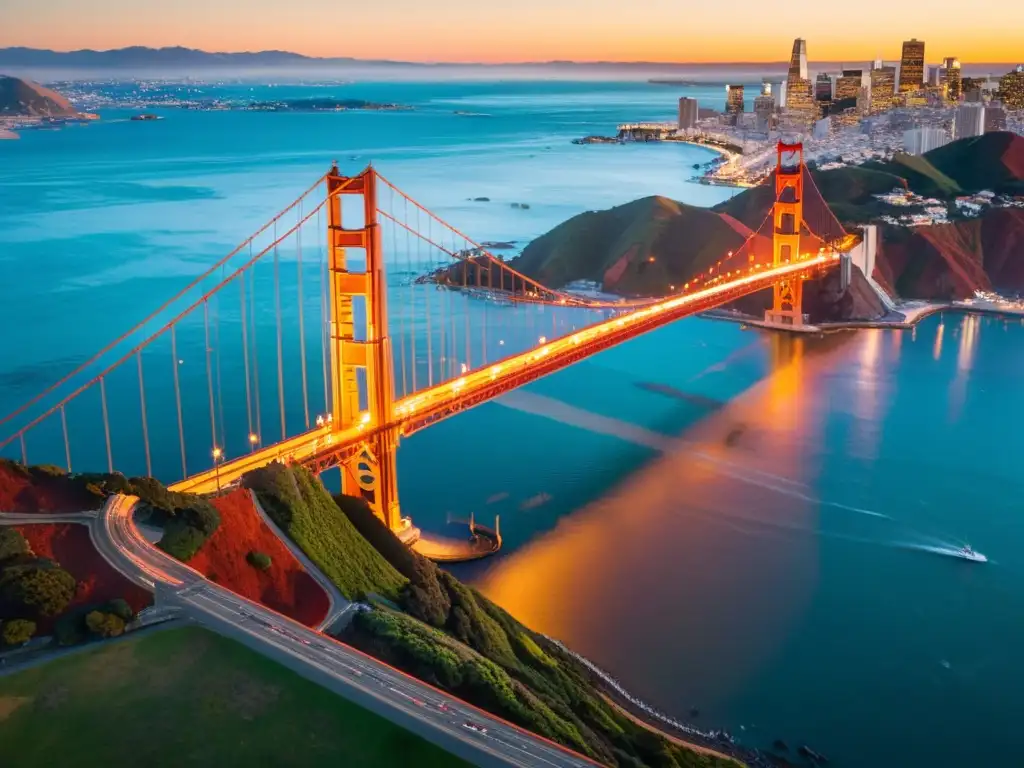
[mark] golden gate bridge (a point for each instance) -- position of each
(295, 347)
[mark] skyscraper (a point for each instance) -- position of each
(912, 66)
(823, 87)
(995, 117)
(848, 84)
(733, 102)
(921, 140)
(883, 88)
(953, 82)
(764, 109)
(1011, 88)
(688, 113)
(799, 94)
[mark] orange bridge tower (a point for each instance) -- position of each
(371, 472)
(788, 218)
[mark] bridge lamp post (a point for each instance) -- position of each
(217, 455)
(253, 440)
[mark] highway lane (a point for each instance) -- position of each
(450, 723)
(427, 406)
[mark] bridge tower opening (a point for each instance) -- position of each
(787, 307)
(371, 471)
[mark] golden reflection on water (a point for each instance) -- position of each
(970, 326)
(701, 562)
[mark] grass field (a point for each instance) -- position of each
(189, 697)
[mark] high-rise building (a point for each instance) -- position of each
(800, 106)
(969, 120)
(1011, 88)
(688, 113)
(912, 66)
(995, 117)
(764, 109)
(848, 85)
(733, 102)
(883, 88)
(823, 87)
(921, 140)
(951, 64)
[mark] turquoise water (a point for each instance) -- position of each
(769, 549)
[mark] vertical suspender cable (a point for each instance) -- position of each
(209, 374)
(145, 422)
(412, 291)
(403, 305)
(324, 322)
(302, 322)
(245, 352)
(106, 424)
(280, 349)
(177, 400)
(67, 442)
(24, 448)
(257, 410)
(466, 306)
(220, 388)
(426, 293)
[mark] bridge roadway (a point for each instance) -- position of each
(410, 703)
(430, 405)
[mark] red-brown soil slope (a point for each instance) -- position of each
(70, 546)
(26, 491)
(950, 261)
(284, 587)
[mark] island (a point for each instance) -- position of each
(950, 226)
(321, 105)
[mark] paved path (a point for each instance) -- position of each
(43, 518)
(338, 604)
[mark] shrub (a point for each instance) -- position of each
(69, 629)
(15, 467)
(120, 608)
(181, 540)
(104, 624)
(259, 561)
(17, 632)
(12, 544)
(37, 590)
(48, 470)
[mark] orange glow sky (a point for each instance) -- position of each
(528, 30)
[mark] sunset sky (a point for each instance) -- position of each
(528, 30)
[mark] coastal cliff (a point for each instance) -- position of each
(23, 98)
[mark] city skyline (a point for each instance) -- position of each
(459, 31)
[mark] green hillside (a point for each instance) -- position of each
(681, 239)
(454, 638)
(301, 507)
(994, 161)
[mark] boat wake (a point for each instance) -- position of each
(960, 552)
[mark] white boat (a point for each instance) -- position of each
(969, 554)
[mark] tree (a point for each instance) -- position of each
(17, 632)
(38, 591)
(104, 624)
(12, 544)
(259, 561)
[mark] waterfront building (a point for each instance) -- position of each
(912, 66)
(821, 129)
(954, 89)
(764, 113)
(689, 113)
(921, 140)
(1011, 88)
(800, 106)
(995, 117)
(733, 102)
(969, 120)
(883, 88)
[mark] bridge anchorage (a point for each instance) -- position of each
(452, 328)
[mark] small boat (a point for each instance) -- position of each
(966, 553)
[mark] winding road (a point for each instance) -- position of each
(454, 725)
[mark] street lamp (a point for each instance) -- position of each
(217, 454)
(253, 440)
